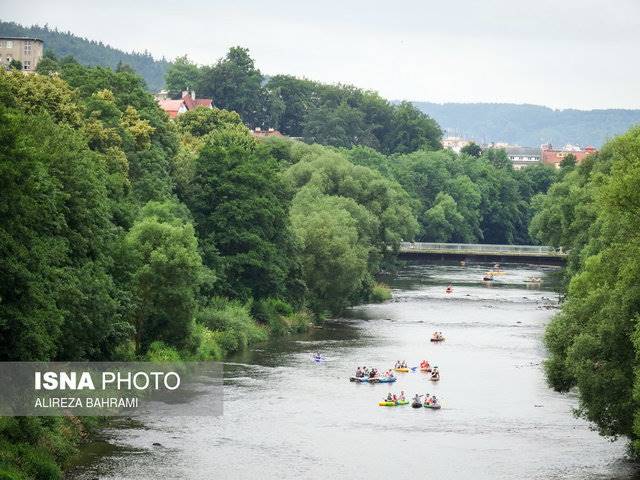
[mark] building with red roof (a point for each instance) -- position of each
(173, 108)
(554, 157)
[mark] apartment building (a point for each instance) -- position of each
(27, 51)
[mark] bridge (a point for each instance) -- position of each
(487, 252)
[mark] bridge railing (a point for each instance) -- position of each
(480, 248)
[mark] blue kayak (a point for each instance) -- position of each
(373, 380)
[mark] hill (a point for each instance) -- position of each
(529, 125)
(90, 52)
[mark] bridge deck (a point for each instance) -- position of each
(482, 250)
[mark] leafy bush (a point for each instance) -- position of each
(232, 322)
(35, 448)
(273, 312)
(161, 352)
(299, 322)
(207, 344)
(380, 293)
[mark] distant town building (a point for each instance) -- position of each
(270, 132)
(454, 143)
(27, 51)
(554, 157)
(523, 156)
(173, 108)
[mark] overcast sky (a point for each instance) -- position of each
(560, 53)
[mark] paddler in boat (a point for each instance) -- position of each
(389, 398)
(359, 373)
(427, 399)
(449, 289)
(401, 398)
(435, 374)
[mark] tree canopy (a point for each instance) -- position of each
(593, 211)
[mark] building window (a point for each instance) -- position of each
(1, 43)
(26, 65)
(9, 44)
(27, 48)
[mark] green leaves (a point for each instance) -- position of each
(593, 342)
(240, 206)
(165, 272)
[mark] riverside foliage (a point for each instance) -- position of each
(594, 342)
(124, 235)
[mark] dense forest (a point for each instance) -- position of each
(91, 52)
(530, 125)
(594, 342)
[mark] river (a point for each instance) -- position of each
(287, 417)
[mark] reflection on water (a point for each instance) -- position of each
(286, 416)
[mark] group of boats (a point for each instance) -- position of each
(491, 275)
(373, 375)
(393, 400)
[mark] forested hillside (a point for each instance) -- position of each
(91, 52)
(530, 125)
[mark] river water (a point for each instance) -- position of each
(287, 417)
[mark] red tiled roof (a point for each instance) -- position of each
(554, 157)
(172, 107)
(198, 102)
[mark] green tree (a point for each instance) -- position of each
(58, 300)
(236, 84)
(240, 206)
(15, 64)
(594, 342)
(334, 261)
(340, 126)
(568, 161)
(443, 220)
(497, 157)
(182, 75)
(200, 121)
(299, 98)
(472, 149)
(411, 130)
(332, 174)
(165, 272)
